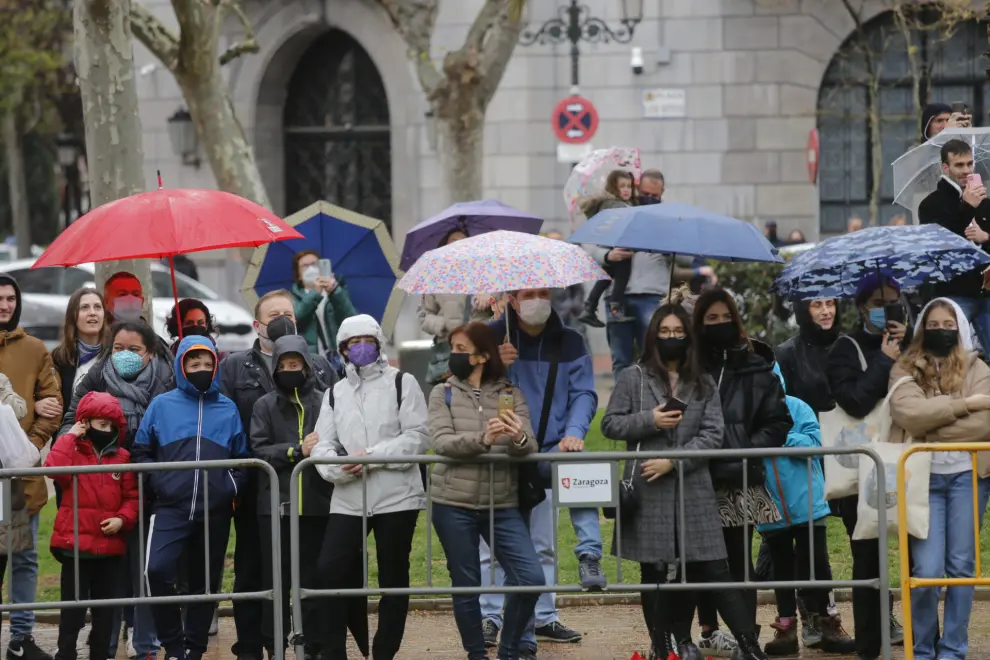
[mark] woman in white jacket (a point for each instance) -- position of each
(374, 411)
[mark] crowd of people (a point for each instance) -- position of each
(513, 375)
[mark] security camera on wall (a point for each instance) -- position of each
(637, 60)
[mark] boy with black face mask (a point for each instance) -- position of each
(108, 506)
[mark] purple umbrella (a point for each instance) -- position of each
(472, 218)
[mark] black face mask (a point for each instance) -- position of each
(647, 200)
(722, 336)
(201, 380)
(460, 365)
(672, 348)
(289, 381)
(101, 439)
(940, 342)
(280, 327)
(195, 330)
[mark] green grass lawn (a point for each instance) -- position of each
(838, 543)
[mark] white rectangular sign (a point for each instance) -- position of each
(585, 484)
(664, 103)
(572, 153)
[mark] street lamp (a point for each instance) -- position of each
(574, 23)
(182, 135)
(69, 149)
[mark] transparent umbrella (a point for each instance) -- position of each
(917, 172)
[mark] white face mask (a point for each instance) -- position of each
(309, 275)
(127, 308)
(534, 312)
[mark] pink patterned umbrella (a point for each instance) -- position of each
(500, 261)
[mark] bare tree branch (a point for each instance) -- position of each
(415, 20)
(498, 46)
(155, 36)
(246, 45)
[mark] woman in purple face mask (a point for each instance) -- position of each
(375, 411)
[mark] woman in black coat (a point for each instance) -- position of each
(756, 416)
(803, 359)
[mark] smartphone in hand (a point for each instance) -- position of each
(326, 269)
(506, 401)
(674, 405)
(974, 180)
(961, 107)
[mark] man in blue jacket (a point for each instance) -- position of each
(536, 338)
(193, 422)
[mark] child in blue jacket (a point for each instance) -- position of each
(193, 422)
(788, 482)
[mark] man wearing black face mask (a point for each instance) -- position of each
(245, 377)
(283, 429)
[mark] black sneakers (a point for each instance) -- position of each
(25, 649)
(490, 630)
(590, 573)
(558, 632)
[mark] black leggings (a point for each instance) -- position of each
(791, 553)
(739, 546)
(620, 272)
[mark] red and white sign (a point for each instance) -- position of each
(575, 120)
(813, 152)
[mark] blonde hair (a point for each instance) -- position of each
(935, 375)
(681, 295)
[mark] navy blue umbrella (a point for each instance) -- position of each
(911, 256)
(360, 250)
(673, 228)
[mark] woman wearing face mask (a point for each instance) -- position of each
(131, 371)
(640, 412)
(376, 411)
(194, 318)
(756, 416)
(947, 400)
(859, 366)
(440, 313)
(283, 432)
(468, 419)
(319, 301)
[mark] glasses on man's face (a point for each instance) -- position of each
(667, 333)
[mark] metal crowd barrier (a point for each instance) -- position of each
(587, 458)
(908, 582)
(142, 598)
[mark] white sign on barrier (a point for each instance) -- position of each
(583, 485)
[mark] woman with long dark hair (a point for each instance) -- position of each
(83, 332)
(665, 402)
(193, 317)
(756, 417)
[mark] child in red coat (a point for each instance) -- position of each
(108, 506)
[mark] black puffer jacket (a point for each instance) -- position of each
(279, 425)
(753, 407)
(803, 360)
(858, 391)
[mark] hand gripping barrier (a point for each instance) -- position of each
(908, 582)
(143, 598)
(810, 454)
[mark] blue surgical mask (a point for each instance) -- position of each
(877, 317)
(127, 363)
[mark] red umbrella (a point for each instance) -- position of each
(164, 223)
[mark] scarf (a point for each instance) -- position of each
(135, 395)
(86, 352)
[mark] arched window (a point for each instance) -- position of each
(337, 141)
(952, 67)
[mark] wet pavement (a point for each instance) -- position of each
(610, 633)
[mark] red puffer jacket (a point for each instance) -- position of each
(101, 496)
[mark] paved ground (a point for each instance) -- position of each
(611, 633)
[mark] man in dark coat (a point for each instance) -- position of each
(246, 377)
(959, 203)
(283, 431)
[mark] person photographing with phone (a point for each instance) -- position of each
(319, 301)
(959, 203)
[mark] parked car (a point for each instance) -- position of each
(47, 289)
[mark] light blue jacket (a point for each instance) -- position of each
(787, 478)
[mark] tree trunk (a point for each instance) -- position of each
(104, 63)
(876, 149)
(17, 183)
(461, 157)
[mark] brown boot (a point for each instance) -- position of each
(834, 637)
(785, 639)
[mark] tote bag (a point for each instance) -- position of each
(840, 430)
(16, 451)
(917, 470)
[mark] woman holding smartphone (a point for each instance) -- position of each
(319, 301)
(667, 401)
(478, 412)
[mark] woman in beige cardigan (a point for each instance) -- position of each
(946, 400)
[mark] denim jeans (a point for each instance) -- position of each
(24, 585)
(623, 338)
(139, 617)
(460, 531)
(589, 535)
(977, 310)
(949, 551)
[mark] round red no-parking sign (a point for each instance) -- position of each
(575, 120)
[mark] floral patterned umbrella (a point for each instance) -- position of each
(500, 261)
(911, 256)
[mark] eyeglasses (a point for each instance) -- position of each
(667, 333)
